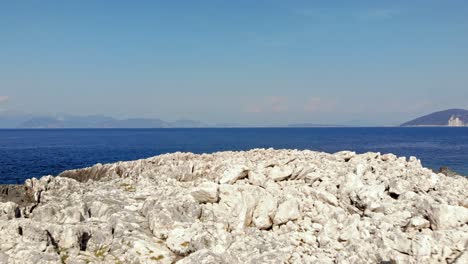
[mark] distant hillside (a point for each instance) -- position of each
(11, 119)
(103, 122)
(451, 117)
(313, 125)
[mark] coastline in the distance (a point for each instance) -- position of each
(446, 118)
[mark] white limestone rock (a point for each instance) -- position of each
(287, 211)
(326, 197)
(421, 245)
(369, 195)
(231, 175)
(399, 186)
(257, 178)
(418, 222)
(259, 206)
(463, 258)
(447, 216)
(206, 192)
(203, 256)
(180, 241)
(280, 173)
(9, 210)
(265, 211)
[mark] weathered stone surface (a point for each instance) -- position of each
(9, 210)
(399, 186)
(259, 206)
(231, 175)
(280, 173)
(447, 216)
(203, 257)
(18, 194)
(287, 211)
(257, 178)
(180, 241)
(206, 192)
(418, 223)
(265, 211)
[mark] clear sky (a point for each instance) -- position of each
(249, 62)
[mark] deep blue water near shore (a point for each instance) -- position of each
(33, 153)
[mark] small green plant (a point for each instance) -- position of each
(157, 258)
(64, 257)
(100, 253)
(185, 244)
(128, 187)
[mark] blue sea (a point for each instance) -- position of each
(34, 153)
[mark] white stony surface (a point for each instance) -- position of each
(260, 206)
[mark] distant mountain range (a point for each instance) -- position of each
(15, 120)
(313, 125)
(451, 117)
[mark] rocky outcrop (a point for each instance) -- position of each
(19, 194)
(260, 206)
(447, 171)
(455, 121)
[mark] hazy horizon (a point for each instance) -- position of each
(266, 63)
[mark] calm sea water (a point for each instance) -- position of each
(33, 153)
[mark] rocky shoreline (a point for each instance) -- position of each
(259, 206)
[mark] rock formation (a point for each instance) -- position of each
(455, 121)
(259, 206)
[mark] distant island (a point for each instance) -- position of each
(94, 121)
(314, 125)
(450, 118)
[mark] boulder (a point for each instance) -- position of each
(287, 211)
(280, 173)
(265, 211)
(206, 192)
(447, 216)
(231, 175)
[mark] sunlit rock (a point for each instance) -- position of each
(259, 206)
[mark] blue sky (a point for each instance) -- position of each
(249, 62)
